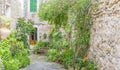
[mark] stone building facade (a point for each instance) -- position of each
(42, 26)
(22, 8)
(1, 7)
(12, 9)
(105, 35)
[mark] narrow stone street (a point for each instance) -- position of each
(39, 62)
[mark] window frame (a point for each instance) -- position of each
(33, 6)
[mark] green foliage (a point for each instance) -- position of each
(57, 40)
(1, 64)
(24, 61)
(12, 64)
(56, 11)
(41, 44)
(67, 28)
(85, 64)
(82, 24)
(66, 57)
(73, 14)
(12, 53)
(5, 19)
(24, 28)
(60, 51)
(51, 54)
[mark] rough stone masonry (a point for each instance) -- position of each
(105, 35)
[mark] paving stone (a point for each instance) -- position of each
(39, 62)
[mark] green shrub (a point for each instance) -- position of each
(12, 64)
(57, 40)
(41, 44)
(22, 56)
(24, 28)
(51, 54)
(1, 64)
(24, 61)
(66, 57)
(13, 53)
(14, 49)
(74, 17)
(85, 64)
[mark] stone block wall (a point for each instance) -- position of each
(12, 9)
(16, 11)
(105, 35)
(44, 29)
(1, 7)
(2, 11)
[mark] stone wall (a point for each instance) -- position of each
(105, 35)
(16, 11)
(1, 7)
(12, 9)
(1, 11)
(44, 29)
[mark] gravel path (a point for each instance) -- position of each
(39, 62)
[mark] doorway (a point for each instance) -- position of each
(33, 37)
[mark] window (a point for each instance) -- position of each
(33, 5)
(45, 36)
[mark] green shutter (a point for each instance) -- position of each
(33, 5)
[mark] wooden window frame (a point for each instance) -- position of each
(33, 5)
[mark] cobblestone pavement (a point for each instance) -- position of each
(39, 62)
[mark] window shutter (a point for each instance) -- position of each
(33, 5)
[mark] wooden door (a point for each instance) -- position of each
(33, 37)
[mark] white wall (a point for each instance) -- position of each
(33, 15)
(16, 7)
